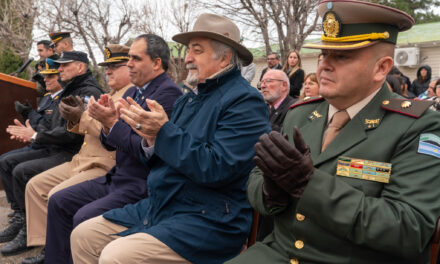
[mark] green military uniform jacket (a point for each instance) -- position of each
(349, 220)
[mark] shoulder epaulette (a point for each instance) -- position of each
(46, 94)
(413, 108)
(307, 100)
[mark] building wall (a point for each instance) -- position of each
(432, 58)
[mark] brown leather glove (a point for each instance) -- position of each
(71, 108)
(290, 167)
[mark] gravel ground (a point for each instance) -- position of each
(4, 210)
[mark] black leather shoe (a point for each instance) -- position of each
(38, 259)
(14, 218)
(17, 245)
(12, 230)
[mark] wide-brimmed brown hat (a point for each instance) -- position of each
(218, 28)
(353, 24)
(115, 53)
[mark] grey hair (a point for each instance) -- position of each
(220, 50)
(282, 75)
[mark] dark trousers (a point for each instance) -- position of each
(6, 183)
(18, 168)
(71, 206)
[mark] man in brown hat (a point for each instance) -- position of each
(357, 179)
(92, 160)
(61, 41)
(196, 210)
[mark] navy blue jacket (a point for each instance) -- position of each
(44, 112)
(197, 201)
(129, 175)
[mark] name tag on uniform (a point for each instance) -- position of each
(364, 169)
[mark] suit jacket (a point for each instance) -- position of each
(342, 219)
(278, 67)
(129, 174)
(44, 112)
(92, 154)
(277, 116)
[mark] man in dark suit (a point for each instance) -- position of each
(273, 62)
(126, 182)
(275, 90)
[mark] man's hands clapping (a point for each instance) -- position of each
(286, 168)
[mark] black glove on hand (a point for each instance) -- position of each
(290, 167)
(23, 109)
(71, 108)
(70, 100)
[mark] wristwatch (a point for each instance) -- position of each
(34, 137)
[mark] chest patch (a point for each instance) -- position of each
(429, 144)
(364, 169)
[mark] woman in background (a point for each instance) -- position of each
(292, 67)
(311, 87)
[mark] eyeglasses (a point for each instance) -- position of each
(271, 59)
(114, 66)
(268, 81)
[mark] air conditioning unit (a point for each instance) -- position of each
(406, 56)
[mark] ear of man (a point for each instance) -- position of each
(384, 61)
(157, 64)
(82, 67)
(225, 60)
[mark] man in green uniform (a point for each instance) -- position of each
(357, 179)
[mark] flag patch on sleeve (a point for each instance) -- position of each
(429, 144)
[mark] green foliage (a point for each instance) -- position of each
(10, 62)
(420, 10)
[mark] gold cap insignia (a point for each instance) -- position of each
(108, 53)
(386, 102)
(406, 104)
(47, 66)
(331, 25)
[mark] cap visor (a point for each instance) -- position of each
(340, 46)
(63, 61)
(108, 62)
(49, 72)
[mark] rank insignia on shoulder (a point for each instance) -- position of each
(429, 144)
(364, 169)
(307, 100)
(314, 115)
(413, 108)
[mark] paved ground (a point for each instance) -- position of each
(4, 210)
